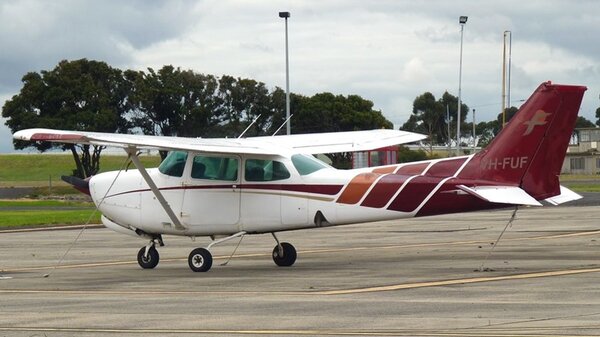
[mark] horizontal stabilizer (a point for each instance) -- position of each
(565, 195)
(501, 194)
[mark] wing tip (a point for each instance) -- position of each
(48, 135)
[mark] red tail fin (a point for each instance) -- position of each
(530, 150)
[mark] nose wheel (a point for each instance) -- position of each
(148, 257)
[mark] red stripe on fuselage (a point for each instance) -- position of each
(414, 193)
(412, 169)
(450, 199)
(384, 190)
(445, 168)
(316, 189)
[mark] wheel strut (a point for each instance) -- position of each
(148, 257)
(200, 259)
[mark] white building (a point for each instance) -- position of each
(583, 156)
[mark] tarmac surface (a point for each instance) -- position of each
(417, 277)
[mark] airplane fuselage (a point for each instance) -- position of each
(276, 193)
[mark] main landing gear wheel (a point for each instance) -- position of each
(200, 260)
(148, 261)
(284, 255)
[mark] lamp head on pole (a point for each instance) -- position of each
(462, 19)
(284, 15)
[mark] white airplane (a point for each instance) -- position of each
(228, 188)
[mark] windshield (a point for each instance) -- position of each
(306, 164)
(174, 164)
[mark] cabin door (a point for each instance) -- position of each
(211, 202)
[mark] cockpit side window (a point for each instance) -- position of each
(174, 164)
(265, 170)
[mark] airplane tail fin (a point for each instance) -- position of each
(530, 150)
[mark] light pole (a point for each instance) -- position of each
(505, 99)
(286, 15)
(474, 136)
(449, 135)
(461, 20)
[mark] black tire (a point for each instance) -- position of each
(150, 261)
(289, 255)
(200, 260)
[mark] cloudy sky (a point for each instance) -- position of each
(386, 51)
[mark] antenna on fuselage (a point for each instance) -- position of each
(284, 122)
(254, 121)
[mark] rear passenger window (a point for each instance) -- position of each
(214, 168)
(265, 170)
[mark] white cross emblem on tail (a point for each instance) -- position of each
(538, 119)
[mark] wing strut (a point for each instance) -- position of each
(132, 152)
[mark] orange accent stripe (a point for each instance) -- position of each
(384, 170)
(355, 190)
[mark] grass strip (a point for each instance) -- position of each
(41, 169)
(576, 177)
(45, 213)
(44, 203)
(583, 187)
(11, 219)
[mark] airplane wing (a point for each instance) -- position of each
(306, 143)
(348, 141)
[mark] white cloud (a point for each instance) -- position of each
(415, 71)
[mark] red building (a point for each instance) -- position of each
(378, 157)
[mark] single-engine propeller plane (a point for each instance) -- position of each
(228, 188)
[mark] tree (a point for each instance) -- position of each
(598, 116)
(484, 131)
(201, 106)
(583, 122)
(91, 96)
(277, 110)
(76, 95)
(450, 102)
(406, 155)
(244, 100)
(429, 116)
(509, 113)
(172, 102)
(326, 112)
(157, 98)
